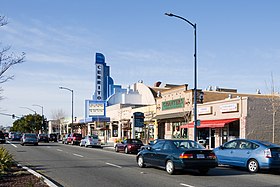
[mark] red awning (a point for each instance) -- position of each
(211, 123)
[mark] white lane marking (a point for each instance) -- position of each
(47, 181)
(113, 165)
(182, 184)
(58, 149)
(12, 144)
(78, 155)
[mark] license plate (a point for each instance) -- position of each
(200, 156)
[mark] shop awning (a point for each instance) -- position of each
(210, 123)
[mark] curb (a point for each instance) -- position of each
(46, 180)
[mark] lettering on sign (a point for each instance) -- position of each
(233, 107)
(96, 109)
(204, 110)
(172, 104)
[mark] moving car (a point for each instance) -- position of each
(74, 139)
(129, 146)
(16, 136)
(175, 155)
(91, 140)
(2, 137)
(29, 138)
(250, 154)
(43, 138)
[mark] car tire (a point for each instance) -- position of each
(140, 162)
(169, 167)
(126, 150)
(203, 171)
(116, 149)
(253, 166)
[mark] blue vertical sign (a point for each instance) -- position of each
(138, 118)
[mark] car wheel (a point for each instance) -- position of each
(169, 167)
(253, 166)
(203, 171)
(126, 150)
(140, 162)
(116, 149)
(22, 144)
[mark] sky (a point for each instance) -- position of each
(238, 46)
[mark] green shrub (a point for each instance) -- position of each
(6, 160)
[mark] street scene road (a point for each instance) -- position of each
(72, 166)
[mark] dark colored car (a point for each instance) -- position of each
(129, 146)
(175, 155)
(250, 154)
(2, 137)
(74, 139)
(16, 136)
(53, 137)
(43, 138)
(29, 138)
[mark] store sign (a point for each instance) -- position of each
(138, 118)
(233, 107)
(204, 110)
(96, 109)
(172, 104)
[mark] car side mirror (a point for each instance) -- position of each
(149, 148)
(222, 147)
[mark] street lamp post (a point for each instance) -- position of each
(72, 106)
(28, 109)
(195, 73)
(42, 114)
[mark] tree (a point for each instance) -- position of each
(28, 123)
(7, 58)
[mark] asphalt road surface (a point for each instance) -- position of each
(74, 166)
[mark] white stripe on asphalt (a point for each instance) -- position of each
(58, 149)
(182, 184)
(78, 155)
(113, 165)
(12, 144)
(47, 181)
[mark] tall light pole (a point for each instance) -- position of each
(72, 108)
(42, 114)
(28, 109)
(195, 73)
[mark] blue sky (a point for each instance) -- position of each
(238, 47)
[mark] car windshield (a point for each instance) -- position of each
(187, 144)
(134, 141)
(93, 136)
(268, 144)
(30, 136)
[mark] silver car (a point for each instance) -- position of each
(29, 138)
(91, 140)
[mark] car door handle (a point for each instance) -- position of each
(248, 152)
(231, 152)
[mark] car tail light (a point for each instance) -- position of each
(186, 155)
(212, 156)
(267, 153)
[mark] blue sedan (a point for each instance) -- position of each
(251, 154)
(176, 155)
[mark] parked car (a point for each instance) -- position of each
(53, 137)
(91, 140)
(64, 138)
(175, 155)
(250, 154)
(43, 138)
(2, 137)
(74, 139)
(29, 138)
(129, 146)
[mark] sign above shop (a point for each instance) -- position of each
(232, 107)
(204, 110)
(172, 104)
